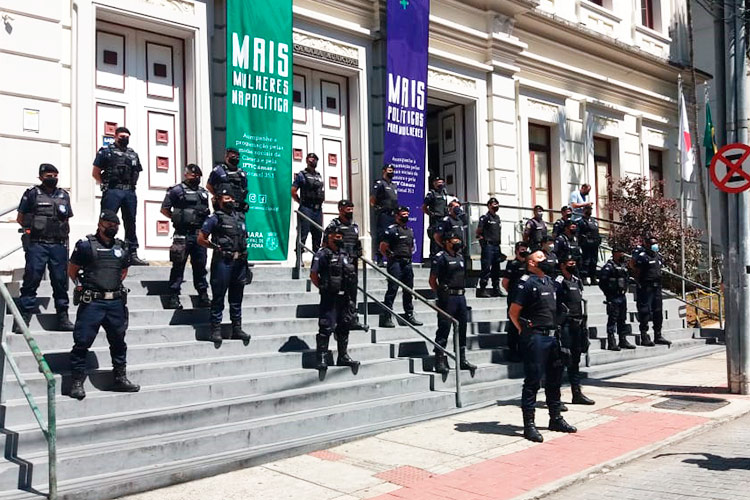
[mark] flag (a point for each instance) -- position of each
(686, 144)
(709, 136)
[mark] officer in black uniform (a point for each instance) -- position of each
(43, 213)
(559, 226)
(226, 228)
(589, 239)
(384, 199)
(333, 272)
(551, 265)
(453, 224)
(536, 229)
(353, 248)
(117, 168)
(448, 281)
(533, 311)
(228, 175)
(307, 190)
(572, 318)
(435, 206)
(488, 233)
(566, 245)
(613, 281)
(187, 205)
(98, 266)
(514, 269)
(398, 247)
(647, 264)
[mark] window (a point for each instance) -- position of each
(603, 162)
(597, 2)
(541, 167)
(647, 14)
(656, 169)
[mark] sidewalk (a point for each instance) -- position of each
(481, 454)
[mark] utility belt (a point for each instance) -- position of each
(456, 291)
(393, 258)
(545, 332)
(316, 206)
(227, 255)
(126, 187)
(650, 284)
(87, 295)
(53, 241)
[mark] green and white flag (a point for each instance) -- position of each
(259, 117)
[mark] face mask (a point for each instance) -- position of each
(389, 175)
(439, 187)
(230, 206)
(457, 211)
(193, 183)
(338, 243)
(494, 208)
(571, 269)
(123, 141)
(110, 232)
(233, 161)
(545, 266)
(50, 182)
(403, 220)
(523, 254)
(655, 247)
(348, 215)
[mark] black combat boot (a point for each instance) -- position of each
(173, 302)
(482, 292)
(465, 363)
(612, 342)
(624, 344)
(386, 321)
(646, 340)
(659, 339)
(321, 351)
(76, 387)
(63, 321)
(441, 363)
(26, 319)
(215, 336)
(137, 261)
(239, 333)
(497, 292)
(530, 431)
(203, 300)
(343, 358)
(557, 423)
(356, 325)
(579, 398)
(122, 384)
(409, 317)
(563, 407)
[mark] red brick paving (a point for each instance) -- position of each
(327, 455)
(517, 473)
(405, 475)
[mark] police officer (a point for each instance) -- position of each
(333, 273)
(448, 280)
(228, 175)
(514, 269)
(613, 281)
(307, 190)
(572, 318)
(536, 230)
(384, 199)
(453, 224)
(398, 247)
(43, 214)
(436, 207)
(647, 264)
(353, 248)
(226, 228)
(559, 226)
(566, 245)
(98, 266)
(187, 205)
(589, 239)
(488, 233)
(117, 168)
(551, 265)
(533, 311)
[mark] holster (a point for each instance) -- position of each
(178, 250)
(77, 292)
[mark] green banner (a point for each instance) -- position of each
(259, 117)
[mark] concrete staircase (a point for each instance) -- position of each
(202, 411)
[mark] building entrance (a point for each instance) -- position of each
(446, 145)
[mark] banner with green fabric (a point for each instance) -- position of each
(259, 117)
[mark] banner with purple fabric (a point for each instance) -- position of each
(406, 104)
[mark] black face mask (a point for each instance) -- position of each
(389, 176)
(347, 215)
(110, 232)
(524, 254)
(193, 183)
(233, 161)
(338, 243)
(571, 269)
(494, 208)
(49, 182)
(457, 212)
(439, 187)
(403, 220)
(230, 206)
(546, 267)
(457, 247)
(123, 142)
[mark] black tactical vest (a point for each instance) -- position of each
(572, 297)
(454, 274)
(403, 248)
(235, 181)
(439, 206)
(541, 312)
(558, 227)
(651, 271)
(491, 230)
(103, 273)
(615, 278)
(230, 232)
(48, 220)
(456, 229)
(311, 192)
(513, 271)
(119, 171)
(191, 210)
(351, 236)
(537, 231)
(340, 273)
(553, 262)
(388, 196)
(588, 229)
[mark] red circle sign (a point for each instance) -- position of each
(730, 168)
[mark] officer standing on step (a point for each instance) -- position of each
(333, 272)
(448, 281)
(511, 278)
(589, 239)
(551, 266)
(613, 281)
(353, 248)
(117, 168)
(566, 245)
(453, 224)
(398, 247)
(647, 265)
(533, 311)
(228, 175)
(559, 226)
(43, 213)
(186, 204)
(307, 190)
(436, 207)
(98, 266)
(572, 318)
(488, 233)
(228, 239)
(536, 229)
(384, 199)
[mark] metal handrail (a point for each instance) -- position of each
(49, 428)
(8, 210)
(5, 211)
(404, 289)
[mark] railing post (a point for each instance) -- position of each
(298, 248)
(721, 312)
(457, 351)
(3, 317)
(364, 290)
(52, 439)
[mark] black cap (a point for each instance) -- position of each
(47, 167)
(492, 200)
(403, 208)
(312, 155)
(225, 191)
(120, 130)
(388, 165)
(345, 203)
(334, 230)
(233, 150)
(438, 178)
(193, 169)
(566, 208)
(109, 216)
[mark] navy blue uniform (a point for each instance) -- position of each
(613, 281)
(335, 269)
(120, 172)
(450, 271)
(589, 240)
(45, 221)
(436, 203)
(490, 231)
(566, 247)
(311, 197)
(401, 243)
(558, 227)
(454, 226)
(573, 331)
(222, 176)
(102, 265)
(513, 272)
(648, 291)
(534, 233)
(540, 348)
(386, 203)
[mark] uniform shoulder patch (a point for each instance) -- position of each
(559, 279)
(524, 277)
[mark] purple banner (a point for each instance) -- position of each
(406, 105)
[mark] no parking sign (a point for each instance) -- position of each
(730, 168)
